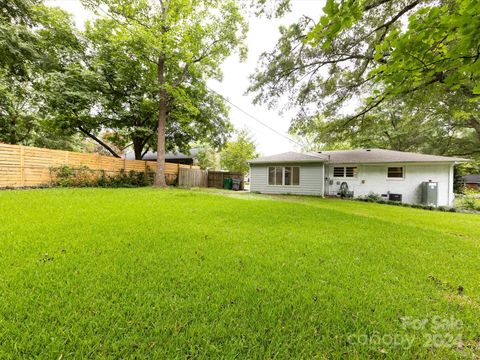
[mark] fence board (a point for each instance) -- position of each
(192, 177)
(30, 166)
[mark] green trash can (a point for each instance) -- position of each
(227, 184)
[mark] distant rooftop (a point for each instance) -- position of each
(471, 179)
(150, 155)
(358, 156)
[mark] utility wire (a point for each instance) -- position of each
(210, 89)
(253, 117)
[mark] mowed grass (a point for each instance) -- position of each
(136, 273)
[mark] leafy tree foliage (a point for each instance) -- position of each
(34, 40)
(382, 52)
(207, 157)
(118, 90)
(236, 153)
(183, 44)
(138, 71)
(404, 124)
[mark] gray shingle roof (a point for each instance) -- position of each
(471, 179)
(359, 156)
(371, 156)
(150, 155)
(290, 157)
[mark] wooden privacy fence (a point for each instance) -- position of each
(216, 178)
(29, 166)
(192, 178)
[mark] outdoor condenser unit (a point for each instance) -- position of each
(395, 197)
(430, 193)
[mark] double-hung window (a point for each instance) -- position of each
(275, 175)
(284, 175)
(345, 172)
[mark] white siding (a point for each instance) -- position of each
(311, 180)
(375, 180)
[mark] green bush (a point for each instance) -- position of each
(471, 199)
(66, 176)
(372, 198)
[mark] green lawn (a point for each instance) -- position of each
(124, 273)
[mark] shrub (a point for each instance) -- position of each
(373, 196)
(66, 176)
(381, 200)
(471, 199)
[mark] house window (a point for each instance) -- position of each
(275, 175)
(339, 172)
(350, 172)
(296, 175)
(288, 175)
(345, 172)
(395, 172)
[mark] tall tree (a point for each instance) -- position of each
(114, 92)
(34, 41)
(407, 123)
(236, 153)
(377, 51)
(188, 41)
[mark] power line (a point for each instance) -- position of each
(209, 88)
(253, 117)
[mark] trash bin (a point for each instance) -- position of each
(227, 184)
(236, 184)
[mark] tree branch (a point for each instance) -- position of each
(366, 110)
(399, 15)
(91, 136)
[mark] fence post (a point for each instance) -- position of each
(22, 166)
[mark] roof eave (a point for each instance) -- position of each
(285, 161)
(454, 161)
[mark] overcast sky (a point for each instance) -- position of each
(262, 36)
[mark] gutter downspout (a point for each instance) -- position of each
(451, 195)
(325, 185)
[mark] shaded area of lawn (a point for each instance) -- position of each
(145, 272)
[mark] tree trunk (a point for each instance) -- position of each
(138, 148)
(162, 119)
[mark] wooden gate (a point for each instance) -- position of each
(215, 178)
(192, 178)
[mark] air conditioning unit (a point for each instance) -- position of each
(430, 193)
(395, 197)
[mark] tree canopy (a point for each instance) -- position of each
(136, 76)
(34, 41)
(236, 153)
(373, 55)
(183, 44)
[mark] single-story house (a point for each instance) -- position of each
(395, 175)
(471, 181)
